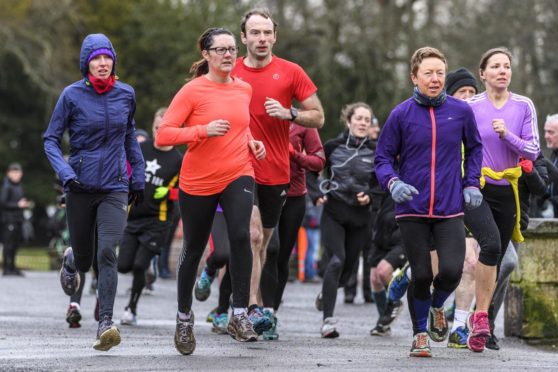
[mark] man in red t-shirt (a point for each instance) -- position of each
(275, 83)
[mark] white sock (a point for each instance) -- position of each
(239, 310)
(185, 316)
(75, 304)
(460, 319)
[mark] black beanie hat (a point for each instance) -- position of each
(460, 78)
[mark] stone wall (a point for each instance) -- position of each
(532, 299)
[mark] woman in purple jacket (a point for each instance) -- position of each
(418, 160)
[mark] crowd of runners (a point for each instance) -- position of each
(431, 204)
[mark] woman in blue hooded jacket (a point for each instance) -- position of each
(424, 136)
(98, 112)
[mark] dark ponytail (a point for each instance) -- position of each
(205, 41)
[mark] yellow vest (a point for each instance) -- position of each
(512, 176)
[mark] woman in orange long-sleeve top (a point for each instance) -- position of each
(211, 115)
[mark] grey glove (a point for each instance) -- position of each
(402, 192)
(472, 197)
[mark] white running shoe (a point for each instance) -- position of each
(128, 318)
(329, 329)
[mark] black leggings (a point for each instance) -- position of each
(135, 256)
(492, 223)
(197, 217)
(448, 238)
(219, 257)
(104, 214)
(343, 239)
(276, 268)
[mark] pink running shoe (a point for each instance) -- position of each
(479, 331)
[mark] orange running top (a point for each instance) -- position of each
(210, 163)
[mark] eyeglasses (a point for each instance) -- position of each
(222, 50)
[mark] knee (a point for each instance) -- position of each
(124, 267)
(335, 264)
(107, 256)
(256, 236)
(422, 279)
(490, 252)
(384, 271)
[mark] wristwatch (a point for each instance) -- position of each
(294, 113)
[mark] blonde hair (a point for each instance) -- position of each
(425, 52)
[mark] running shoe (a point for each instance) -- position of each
(108, 335)
(392, 311)
(349, 298)
(128, 318)
(329, 328)
(241, 329)
(260, 322)
(437, 325)
(492, 342)
(202, 290)
(211, 315)
(458, 338)
(184, 339)
(380, 330)
(69, 276)
(272, 334)
(73, 316)
(220, 323)
(479, 331)
(319, 302)
(421, 346)
(398, 284)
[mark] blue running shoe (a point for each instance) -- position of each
(69, 276)
(220, 323)
(260, 322)
(398, 284)
(212, 313)
(458, 338)
(272, 334)
(202, 290)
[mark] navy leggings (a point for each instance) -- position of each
(197, 217)
(106, 213)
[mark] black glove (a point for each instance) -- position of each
(135, 197)
(75, 186)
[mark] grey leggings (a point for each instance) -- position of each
(106, 213)
(509, 263)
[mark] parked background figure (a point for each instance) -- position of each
(12, 205)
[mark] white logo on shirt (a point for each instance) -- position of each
(152, 166)
(276, 76)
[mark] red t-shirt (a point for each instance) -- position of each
(281, 80)
(210, 163)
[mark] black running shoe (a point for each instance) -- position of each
(73, 316)
(108, 335)
(392, 311)
(69, 276)
(492, 342)
(380, 330)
